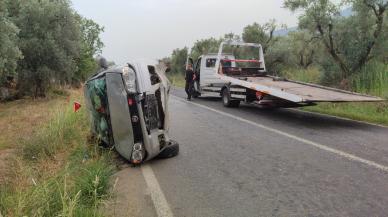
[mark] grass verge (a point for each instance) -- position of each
(177, 80)
(55, 172)
(376, 113)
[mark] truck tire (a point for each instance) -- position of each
(227, 101)
(170, 151)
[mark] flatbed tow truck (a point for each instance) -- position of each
(238, 73)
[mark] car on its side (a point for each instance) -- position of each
(128, 107)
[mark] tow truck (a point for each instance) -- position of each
(238, 74)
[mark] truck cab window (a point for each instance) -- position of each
(211, 62)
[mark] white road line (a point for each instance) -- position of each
(160, 202)
(308, 142)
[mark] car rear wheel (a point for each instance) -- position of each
(170, 151)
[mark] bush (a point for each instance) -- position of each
(372, 79)
(57, 173)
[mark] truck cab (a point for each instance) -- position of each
(205, 68)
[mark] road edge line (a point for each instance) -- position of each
(159, 200)
(314, 144)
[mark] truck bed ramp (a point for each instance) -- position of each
(298, 92)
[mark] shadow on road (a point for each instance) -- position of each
(295, 117)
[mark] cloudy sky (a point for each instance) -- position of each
(153, 28)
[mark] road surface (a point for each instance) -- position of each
(250, 162)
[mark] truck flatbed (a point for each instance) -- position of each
(298, 92)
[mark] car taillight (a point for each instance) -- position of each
(130, 101)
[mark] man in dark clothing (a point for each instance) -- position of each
(189, 81)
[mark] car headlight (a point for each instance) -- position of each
(129, 79)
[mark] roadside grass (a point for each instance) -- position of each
(311, 75)
(56, 171)
(372, 79)
(370, 112)
(176, 79)
(15, 115)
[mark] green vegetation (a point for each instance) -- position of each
(347, 52)
(54, 172)
(372, 79)
(44, 43)
(177, 80)
(370, 112)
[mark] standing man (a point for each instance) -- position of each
(189, 77)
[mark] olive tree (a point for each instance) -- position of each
(49, 40)
(178, 60)
(90, 46)
(261, 34)
(9, 50)
(349, 41)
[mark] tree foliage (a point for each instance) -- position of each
(349, 41)
(90, 45)
(178, 60)
(49, 39)
(57, 44)
(9, 51)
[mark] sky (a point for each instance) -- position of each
(151, 29)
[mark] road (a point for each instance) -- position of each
(252, 162)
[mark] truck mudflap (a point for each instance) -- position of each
(120, 116)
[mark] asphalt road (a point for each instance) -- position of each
(252, 162)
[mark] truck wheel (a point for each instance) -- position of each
(170, 151)
(227, 101)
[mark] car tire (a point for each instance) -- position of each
(170, 151)
(227, 101)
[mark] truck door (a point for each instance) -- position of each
(197, 71)
(209, 72)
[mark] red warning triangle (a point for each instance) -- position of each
(77, 106)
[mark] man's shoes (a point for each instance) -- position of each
(188, 99)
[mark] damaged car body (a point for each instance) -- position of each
(128, 106)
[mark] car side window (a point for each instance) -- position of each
(153, 76)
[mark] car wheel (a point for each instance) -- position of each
(170, 151)
(227, 101)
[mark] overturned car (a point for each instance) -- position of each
(128, 106)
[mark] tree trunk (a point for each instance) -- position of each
(332, 51)
(379, 13)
